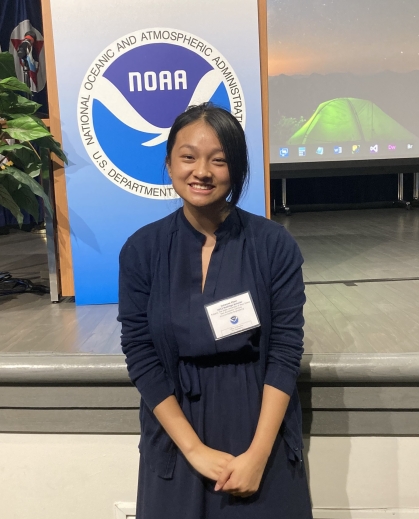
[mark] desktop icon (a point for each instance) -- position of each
(301, 152)
(320, 150)
(356, 148)
(338, 150)
(284, 152)
(392, 147)
(374, 149)
(410, 146)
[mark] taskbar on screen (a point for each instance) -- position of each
(345, 151)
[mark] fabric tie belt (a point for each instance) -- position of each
(189, 368)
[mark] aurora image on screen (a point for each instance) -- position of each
(343, 79)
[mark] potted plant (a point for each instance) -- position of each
(25, 146)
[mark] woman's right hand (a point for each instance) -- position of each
(208, 462)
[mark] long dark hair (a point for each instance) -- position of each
(231, 137)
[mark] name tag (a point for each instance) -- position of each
(232, 315)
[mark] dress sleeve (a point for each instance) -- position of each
(287, 300)
(145, 369)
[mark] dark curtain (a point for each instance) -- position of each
(354, 189)
(16, 18)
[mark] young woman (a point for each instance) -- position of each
(211, 301)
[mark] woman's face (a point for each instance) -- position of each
(198, 168)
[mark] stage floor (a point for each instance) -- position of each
(362, 284)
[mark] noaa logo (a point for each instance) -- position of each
(234, 319)
(131, 95)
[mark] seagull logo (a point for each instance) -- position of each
(116, 103)
(132, 93)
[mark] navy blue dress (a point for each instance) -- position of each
(222, 392)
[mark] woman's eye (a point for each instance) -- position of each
(220, 160)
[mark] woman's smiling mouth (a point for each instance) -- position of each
(201, 187)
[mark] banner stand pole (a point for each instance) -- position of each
(415, 186)
(415, 201)
(284, 207)
(400, 193)
(263, 52)
(51, 235)
(400, 187)
(61, 225)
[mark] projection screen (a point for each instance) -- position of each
(343, 80)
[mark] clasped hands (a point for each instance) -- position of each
(239, 476)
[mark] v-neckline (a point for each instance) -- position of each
(204, 281)
(206, 289)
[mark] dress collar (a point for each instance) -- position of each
(231, 222)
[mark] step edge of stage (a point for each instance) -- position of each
(326, 368)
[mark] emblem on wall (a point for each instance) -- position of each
(133, 91)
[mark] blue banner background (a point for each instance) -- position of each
(101, 214)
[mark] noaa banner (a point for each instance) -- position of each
(119, 99)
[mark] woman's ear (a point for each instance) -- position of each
(168, 167)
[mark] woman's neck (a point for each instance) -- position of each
(206, 220)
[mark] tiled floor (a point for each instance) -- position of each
(380, 316)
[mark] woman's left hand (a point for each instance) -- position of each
(242, 476)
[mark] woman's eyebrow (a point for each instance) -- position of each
(192, 147)
(187, 146)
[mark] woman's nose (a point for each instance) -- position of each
(201, 169)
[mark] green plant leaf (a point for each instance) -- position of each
(7, 201)
(25, 128)
(26, 106)
(23, 106)
(40, 121)
(12, 83)
(27, 167)
(6, 100)
(26, 200)
(11, 103)
(11, 147)
(22, 195)
(25, 159)
(45, 163)
(13, 116)
(27, 180)
(7, 65)
(51, 144)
